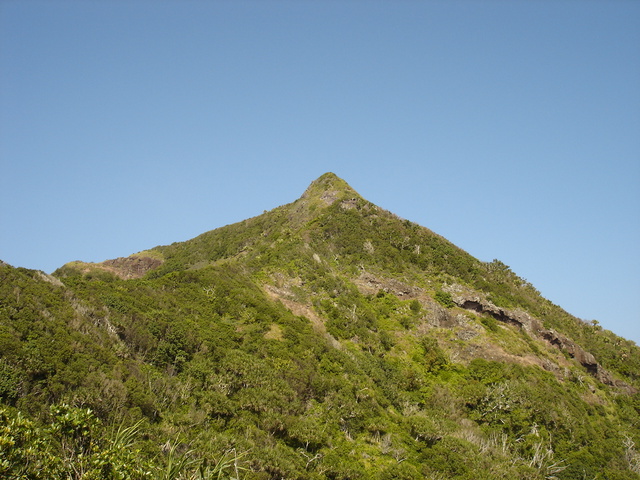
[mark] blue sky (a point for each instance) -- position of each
(510, 128)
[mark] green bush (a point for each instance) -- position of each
(444, 299)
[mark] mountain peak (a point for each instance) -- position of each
(364, 334)
(328, 188)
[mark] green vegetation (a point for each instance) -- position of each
(444, 299)
(319, 340)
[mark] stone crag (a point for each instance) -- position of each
(474, 301)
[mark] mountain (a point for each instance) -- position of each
(324, 339)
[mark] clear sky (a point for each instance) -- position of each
(512, 128)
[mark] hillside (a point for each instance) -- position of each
(324, 339)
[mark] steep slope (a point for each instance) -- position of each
(327, 338)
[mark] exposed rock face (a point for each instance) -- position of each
(368, 283)
(49, 278)
(131, 267)
(583, 357)
(471, 300)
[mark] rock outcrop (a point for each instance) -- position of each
(135, 266)
(472, 300)
(131, 267)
